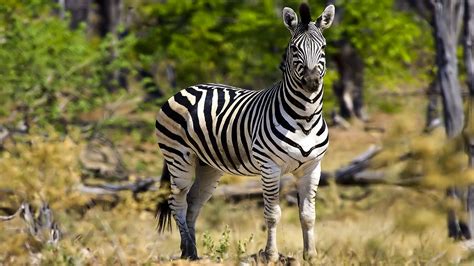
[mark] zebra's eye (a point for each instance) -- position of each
(294, 49)
(323, 47)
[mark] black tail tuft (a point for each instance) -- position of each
(163, 210)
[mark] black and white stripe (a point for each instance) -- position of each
(210, 129)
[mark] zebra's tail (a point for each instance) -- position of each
(163, 210)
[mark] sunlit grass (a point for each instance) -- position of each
(392, 225)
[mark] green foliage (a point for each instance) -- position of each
(389, 41)
(389, 106)
(55, 73)
(208, 242)
(237, 42)
(48, 70)
(242, 246)
(241, 42)
(219, 250)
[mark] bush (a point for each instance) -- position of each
(41, 168)
(48, 70)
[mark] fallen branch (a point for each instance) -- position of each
(10, 217)
(41, 227)
(356, 173)
(138, 186)
(338, 120)
(352, 174)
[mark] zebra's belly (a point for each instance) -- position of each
(238, 170)
(232, 159)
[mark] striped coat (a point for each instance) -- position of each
(210, 129)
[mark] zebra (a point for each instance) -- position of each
(209, 129)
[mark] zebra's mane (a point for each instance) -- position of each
(305, 14)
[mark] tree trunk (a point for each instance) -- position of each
(349, 87)
(446, 22)
(425, 10)
(110, 16)
(433, 118)
(102, 17)
(457, 228)
(421, 7)
(79, 10)
(468, 42)
(109, 12)
(447, 25)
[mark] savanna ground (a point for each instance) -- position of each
(393, 225)
(66, 81)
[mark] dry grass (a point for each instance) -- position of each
(392, 226)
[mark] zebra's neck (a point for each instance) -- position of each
(298, 103)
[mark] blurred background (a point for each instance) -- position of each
(82, 80)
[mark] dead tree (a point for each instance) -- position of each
(433, 117)
(424, 9)
(102, 17)
(349, 88)
(446, 18)
(79, 10)
(468, 133)
(447, 26)
(447, 21)
(41, 227)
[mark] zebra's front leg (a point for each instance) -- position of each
(308, 184)
(271, 210)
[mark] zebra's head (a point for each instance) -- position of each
(305, 58)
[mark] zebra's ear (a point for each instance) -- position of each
(325, 20)
(290, 19)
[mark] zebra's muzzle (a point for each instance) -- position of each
(311, 79)
(311, 83)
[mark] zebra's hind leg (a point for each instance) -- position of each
(181, 182)
(204, 185)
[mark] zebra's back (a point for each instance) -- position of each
(215, 122)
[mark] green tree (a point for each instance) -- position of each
(49, 71)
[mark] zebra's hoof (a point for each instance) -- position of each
(266, 257)
(263, 257)
(189, 256)
(189, 251)
(269, 256)
(310, 255)
(287, 260)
